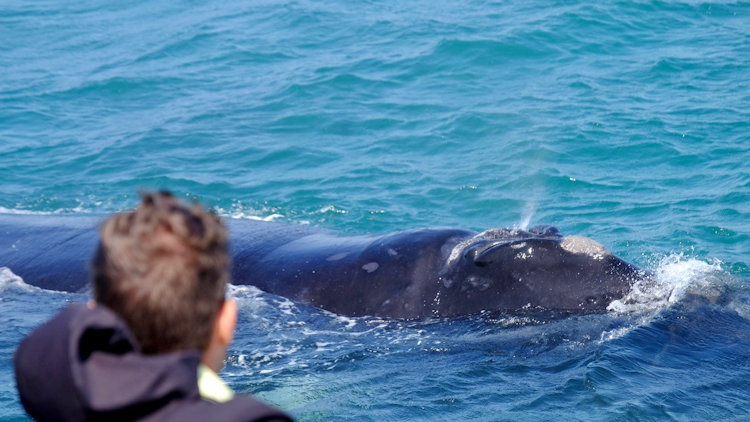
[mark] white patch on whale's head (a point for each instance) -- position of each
(584, 245)
(337, 257)
(371, 267)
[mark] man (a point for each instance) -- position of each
(150, 343)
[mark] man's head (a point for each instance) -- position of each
(163, 268)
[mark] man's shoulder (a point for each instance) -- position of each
(241, 408)
(83, 364)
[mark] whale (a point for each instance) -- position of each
(418, 273)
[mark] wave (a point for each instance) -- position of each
(674, 278)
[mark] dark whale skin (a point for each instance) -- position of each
(433, 272)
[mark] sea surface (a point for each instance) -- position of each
(624, 121)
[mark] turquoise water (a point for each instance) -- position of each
(627, 122)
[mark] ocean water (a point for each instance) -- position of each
(628, 122)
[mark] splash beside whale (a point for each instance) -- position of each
(438, 272)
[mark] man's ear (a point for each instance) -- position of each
(226, 322)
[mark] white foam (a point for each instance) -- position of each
(618, 332)
(9, 280)
(242, 215)
(261, 358)
(348, 322)
(79, 209)
(675, 277)
(7, 277)
(332, 209)
(243, 291)
(4, 210)
(287, 307)
(742, 307)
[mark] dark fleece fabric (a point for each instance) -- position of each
(84, 365)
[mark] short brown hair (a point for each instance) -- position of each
(163, 268)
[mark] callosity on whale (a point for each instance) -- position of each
(409, 274)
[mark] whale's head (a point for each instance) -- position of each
(535, 269)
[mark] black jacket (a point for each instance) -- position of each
(84, 365)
